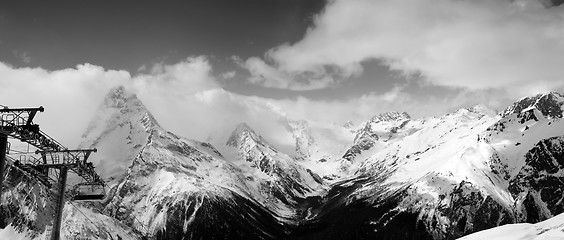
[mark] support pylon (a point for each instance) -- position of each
(18, 123)
(3, 145)
(56, 232)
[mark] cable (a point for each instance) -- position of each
(75, 207)
(109, 203)
(20, 152)
(135, 218)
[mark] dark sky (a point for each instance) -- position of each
(445, 49)
(128, 34)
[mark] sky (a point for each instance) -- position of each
(201, 64)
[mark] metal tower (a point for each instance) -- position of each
(53, 163)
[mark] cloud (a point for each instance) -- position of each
(184, 78)
(361, 108)
(23, 56)
(228, 75)
(69, 96)
(471, 44)
(265, 75)
(187, 99)
(184, 97)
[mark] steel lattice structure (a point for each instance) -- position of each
(53, 163)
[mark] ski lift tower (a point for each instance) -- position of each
(52, 166)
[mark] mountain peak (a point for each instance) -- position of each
(120, 107)
(119, 129)
(241, 127)
(391, 116)
(348, 125)
(550, 104)
(241, 133)
(483, 109)
(118, 96)
(127, 102)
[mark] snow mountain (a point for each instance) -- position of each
(445, 177)
(467, 171)
(390, 177)
(172, 186)
(279, 180)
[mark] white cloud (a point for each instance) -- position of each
(267, 76)
(68, 95)
(71, 96)
(472, 44)
(228, 75)
(360, 108)
(23, 56)
(186, 99)
(180, 79)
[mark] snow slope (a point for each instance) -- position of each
(549, 229)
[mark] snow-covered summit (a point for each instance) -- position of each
(118, 96)
(550, 104)
(120, 128)
(390, 116)
(348, 125)
(244, 134)
(119, 106)
(383, 124)
(278, 178)
(483, 109)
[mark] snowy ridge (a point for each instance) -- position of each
(549, 104)
(469, 161)
(374, 135)
(277, 178)
(444, 164)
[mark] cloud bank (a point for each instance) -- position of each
(470, 44)
(185, 97)
(69, 96)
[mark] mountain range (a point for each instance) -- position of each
(390, 177)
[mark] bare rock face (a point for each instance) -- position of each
(538, 188)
